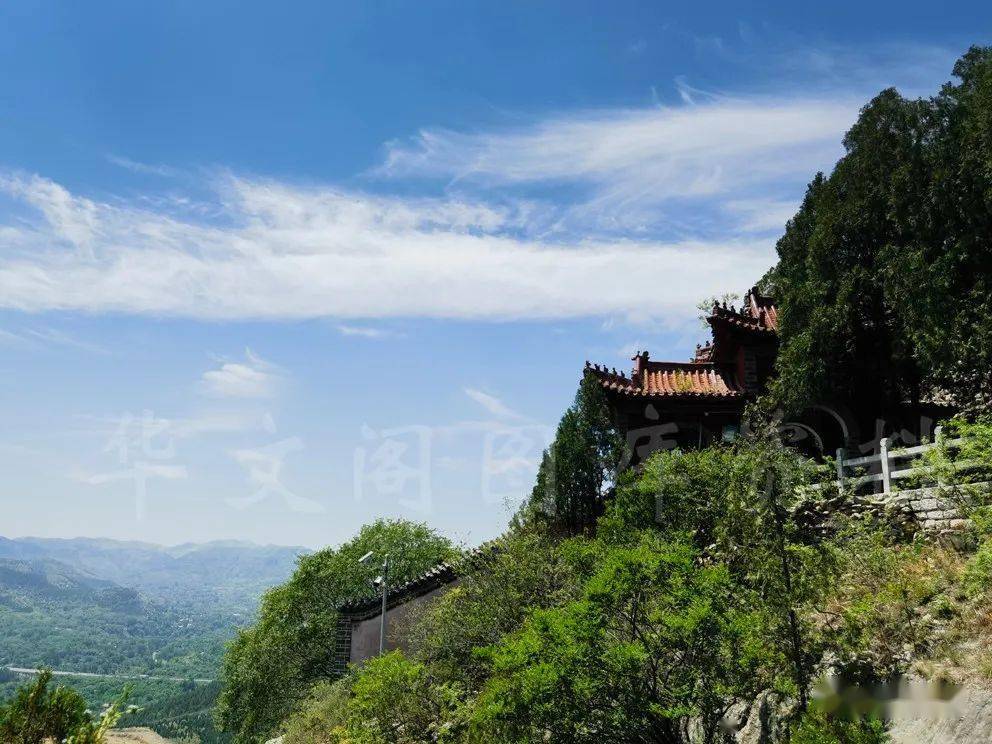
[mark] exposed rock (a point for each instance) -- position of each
(967, 719)
(766, 719)
(135, 736)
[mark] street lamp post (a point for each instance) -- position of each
(384, 580)
(385, 594)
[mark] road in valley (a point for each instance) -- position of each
(93, 675)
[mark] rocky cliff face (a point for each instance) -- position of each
(967, 719)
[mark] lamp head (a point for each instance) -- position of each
(366, 558)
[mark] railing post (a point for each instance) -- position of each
(840, 467)
(938, 441)
(886, 469)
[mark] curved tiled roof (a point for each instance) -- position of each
(431, 579)
(704, 353)
(757, 313)
(701, 377)
(763, 307)
(671, 379)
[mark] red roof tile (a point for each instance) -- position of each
(763, 308)
(758, 313)
(671, 379)
(704, 353)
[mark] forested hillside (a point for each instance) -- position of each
(125, 609)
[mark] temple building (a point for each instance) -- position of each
(700, 401)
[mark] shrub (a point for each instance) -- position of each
(323, 717)
(978, 572)
(271, 667)
(527, 572)
(655, 640)
(816, 727)
(886, 602)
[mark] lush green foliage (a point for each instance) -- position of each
(323, 717)
(528, 572)
(656, 639)
(179, 711)
(179, 608)
(883, 277)
(272, 665)
(697, 594)
(888, 599)
(51, 615)
(580, 467)
(38, 712)
(961, 463)
(638, 633)
(816, 727)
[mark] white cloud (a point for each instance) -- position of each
(6, 337)
(221, 422)
(639, 167)
(54, 337)
(47, 337)
(282, 251)
(363, 331)
(762, 215)
(163, 171)
(630, 213)
(491, 403)
(72, 220)
(252, 378)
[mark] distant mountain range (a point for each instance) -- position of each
(25, 584)
(112, 607)
(228, 576)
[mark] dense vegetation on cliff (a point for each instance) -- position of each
(271, 665)
(699, 592)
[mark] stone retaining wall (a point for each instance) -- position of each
(935, 510)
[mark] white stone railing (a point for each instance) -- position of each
(892, 465)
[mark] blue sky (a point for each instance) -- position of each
(269, 271)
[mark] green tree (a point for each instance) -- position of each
(95, 732)
(579, 469)
(735, 504)
(816, 727)
(655, 641)
(38, 712)
(493, 598)
(270, 667)
(883, 274)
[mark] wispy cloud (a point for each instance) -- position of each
(49, 337)
(762, 215)
(638, 168)
(492, 404)
(251, 378)
(284, 251)
(163, 171)
(6, 337)
(363, 331)
(54, 337)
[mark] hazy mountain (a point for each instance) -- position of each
(109, 606)
(26, 584)
(225, 575)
